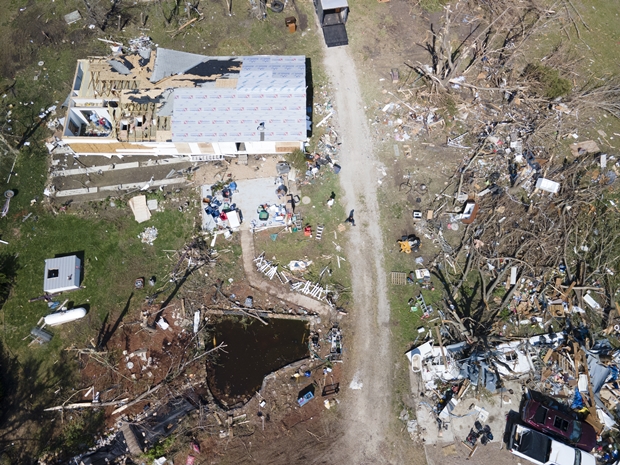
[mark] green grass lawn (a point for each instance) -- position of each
(108, 239)
(113, 258)
(34, 377)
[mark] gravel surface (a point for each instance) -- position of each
(367, 409)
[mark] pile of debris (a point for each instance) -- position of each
(148, 236)
(220, 213)
(271, 269)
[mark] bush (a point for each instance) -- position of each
(551, 84)
(160, 449)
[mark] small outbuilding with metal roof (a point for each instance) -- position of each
(62, 274)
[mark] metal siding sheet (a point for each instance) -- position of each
(331, 4)
(68, 274)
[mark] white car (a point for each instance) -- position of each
(542, 450)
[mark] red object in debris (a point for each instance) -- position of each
(190, 460)
(196, 447)
(553, 422)
(308, 231)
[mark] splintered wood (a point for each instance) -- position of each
(270, 269)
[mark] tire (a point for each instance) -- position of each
(277, 6)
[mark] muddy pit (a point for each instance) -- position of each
(253, 350)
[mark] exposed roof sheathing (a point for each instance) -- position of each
(268, 103)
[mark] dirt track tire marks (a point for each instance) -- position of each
(367, 410)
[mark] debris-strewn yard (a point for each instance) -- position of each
(498, 129)
(38, 66)
(496, 125)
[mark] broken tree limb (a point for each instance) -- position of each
(471, 161)
(85, 405)
(502, 89)
(139, 398)
(245, 312)
(464, 276)
(443, 350)
(193, 20)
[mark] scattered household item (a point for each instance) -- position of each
(233, 220)
(39, 336)
(305, 395)
(470, 212)
(8, 195)
(319, 232)
(263, 215)
(299, 265)
(163, 324)
(409, 243)
(149, 235)
(73, 17)
(547, 185)
(291, 23)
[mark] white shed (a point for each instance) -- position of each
(62, 274)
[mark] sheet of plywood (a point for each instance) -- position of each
(139, 208)
(111, 147)
(226, 83)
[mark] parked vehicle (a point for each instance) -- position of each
(561, 425)
(543, 450)
(332, 16)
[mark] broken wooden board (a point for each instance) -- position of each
(592, 419)
(583, 148)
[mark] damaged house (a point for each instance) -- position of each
(169, 103)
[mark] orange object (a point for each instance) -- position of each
(308, 231)
(291, 23)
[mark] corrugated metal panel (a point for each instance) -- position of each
(67, 276)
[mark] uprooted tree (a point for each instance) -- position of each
(563, 245)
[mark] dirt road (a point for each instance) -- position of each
(368, 400)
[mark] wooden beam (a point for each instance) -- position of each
(443, 351)
(568, 291)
